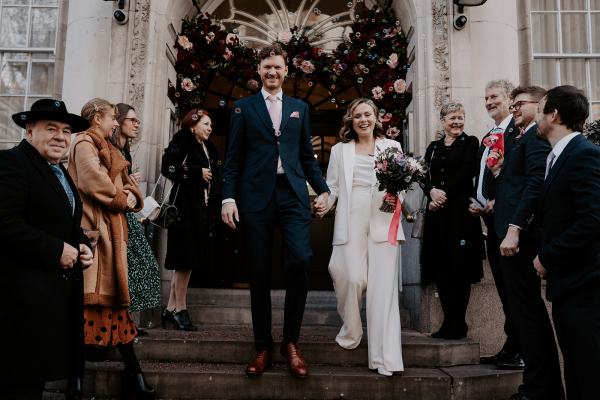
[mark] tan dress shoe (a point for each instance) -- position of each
(296, 363)
(260, 364)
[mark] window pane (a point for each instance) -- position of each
(545, 31)
(8, 129)
(543, 5)
(43, 27)
(595, 111)
(574, 33)
(16, 2)
(544, 73)
(595, 79)
(42, 79)
(572, 72)
(595, 5)
(46, 2)
(13, 27)
(13, 78)
(596, 33)
(575, 5)
(43, 56)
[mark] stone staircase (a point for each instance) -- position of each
(209, 363)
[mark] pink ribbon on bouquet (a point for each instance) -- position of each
(393, 231)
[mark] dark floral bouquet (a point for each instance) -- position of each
(591, 130)
(395, 172)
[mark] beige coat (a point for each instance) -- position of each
(339, 179)
(100, 174)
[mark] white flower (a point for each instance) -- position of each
(392, 132)
(231, 38)
(400, 86)
(184, 42)
(209, 37)
(187, 84)
(307, 67)
(377, 92)
(392, 61)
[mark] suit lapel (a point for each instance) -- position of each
(261, 110)
(285, 112)
(559, 162)
(348, 159)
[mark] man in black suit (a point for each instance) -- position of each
(569, 256)
(269, 159)
(519, 179)
(497, 104)
(42, 251)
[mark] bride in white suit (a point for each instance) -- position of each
(362, 258)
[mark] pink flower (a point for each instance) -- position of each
(307, 67)
(187, 84)
(400, 86)
(231, 38)
(377, 92)
(252, 84)
(391, 33)
(297, 62)
(184, 42)
(209, 37)
(228, 54)
(284, 37)
(392, 132)
(392, 61)
(385, 118)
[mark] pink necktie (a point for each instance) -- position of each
(275, 113)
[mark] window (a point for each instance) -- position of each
(566, 46)
(28, 30)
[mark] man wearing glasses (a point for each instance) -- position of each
(519, 180)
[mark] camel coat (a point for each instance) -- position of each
(99, 171)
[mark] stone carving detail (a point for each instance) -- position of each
(138, 54)
(440, 51)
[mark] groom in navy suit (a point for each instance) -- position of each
(269, 159)
(569, 256)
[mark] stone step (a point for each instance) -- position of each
(230, 344)
(227, 381)
(315, 314)
(241, 297)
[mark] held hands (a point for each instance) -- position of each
(229, 214)
(321, 204)
(136, 177)
(510, 245)
(131, 200)
(438, 199)
(86, 257)
(541, 271)
(68, 257)
(475, 209)
(206, 174)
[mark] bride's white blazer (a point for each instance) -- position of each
(339, 180)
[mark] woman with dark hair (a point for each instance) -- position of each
(362, 258)
(191, 162)
(452, 249)
(143, 270)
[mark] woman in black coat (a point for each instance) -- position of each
(191, 162)
(452, 249)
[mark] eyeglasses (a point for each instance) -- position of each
(517, 106)
(134, 120)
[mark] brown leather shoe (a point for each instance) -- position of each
(296, 363)
(260, 364)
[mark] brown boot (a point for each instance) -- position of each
(260, 364)
(296, 363)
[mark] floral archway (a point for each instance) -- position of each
(371, 62)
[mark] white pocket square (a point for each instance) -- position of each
(295, 114)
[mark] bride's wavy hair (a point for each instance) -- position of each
(347, 132)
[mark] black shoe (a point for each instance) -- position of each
(182, 321)
(74, 389)
(166, 316)
(135, 387)
(500, 357)
(518, 396)
(142, 332)
(513, 362)
(449, 334)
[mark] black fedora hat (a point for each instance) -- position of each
(51, 110)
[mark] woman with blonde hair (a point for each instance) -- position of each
(362, 258)
(100, 173)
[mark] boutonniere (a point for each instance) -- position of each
(295, 114)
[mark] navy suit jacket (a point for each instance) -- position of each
(569, 217)
(519, 184)
(250, 171)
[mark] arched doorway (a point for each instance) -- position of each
(337, 53)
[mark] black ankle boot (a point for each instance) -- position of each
(136, 387)
(166, 316)
(182, 321)
(74, 389)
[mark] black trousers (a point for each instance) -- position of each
(454, 291)
(492, 244)
(541, 378)
(21, 390)
(577, 322)
(286, 212)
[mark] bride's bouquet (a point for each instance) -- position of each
(395, 172)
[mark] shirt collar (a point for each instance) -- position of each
(504, 123)
(266, 94)
(562, 143)
(529, 127)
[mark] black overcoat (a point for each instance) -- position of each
(190, 240)
(41, 305)
(452, 241)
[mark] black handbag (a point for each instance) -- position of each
(168, 215)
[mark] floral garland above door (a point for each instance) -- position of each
(370, 62)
